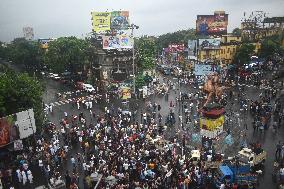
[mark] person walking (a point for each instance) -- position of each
(278, 150)
(67, 180)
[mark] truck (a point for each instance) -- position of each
(232, 174)
(248, 156)
(195, 157)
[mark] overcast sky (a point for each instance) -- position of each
(55, 18)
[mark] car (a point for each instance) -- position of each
(89, 88)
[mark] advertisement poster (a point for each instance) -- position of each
(211, 124)
(117, 42)
(212, 24)
(192, 44)
(8, 130)
(204, 69)
(125, 93)
(210, 43)
(101, 21)
(119, 20)
(176, 48)
(44, 43)
(17, 126)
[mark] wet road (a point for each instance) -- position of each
(268, 139)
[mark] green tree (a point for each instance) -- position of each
(146, 53)
(270, 47)
(243, 54)
(139, 81)
(24, 53)
(66, 53)
(19, 92)
(237, 32)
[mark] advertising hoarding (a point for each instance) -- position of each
(204, 69)
(119, 20)
(117, 42)
(44, 43)
(192, 44)
(125, 93)
(16, 126)
(176, 48)
(101, 21)
(209, 43)
(212, 24)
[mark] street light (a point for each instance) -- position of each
(132, 27)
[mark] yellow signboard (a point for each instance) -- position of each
(211, 124)
(125, 93)
(101, 21)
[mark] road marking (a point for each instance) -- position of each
(57, 103)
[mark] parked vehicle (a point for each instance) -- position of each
(247, 156)
(89, 88)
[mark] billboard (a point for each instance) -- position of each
(44, 43)
(101, 21)
(16, 126)
(28, 33)
(212, 24)
(176, 48)
(209, 43)
(204, 69)
(192, 45)
(117, 42)
(119, 20)
(125, 93)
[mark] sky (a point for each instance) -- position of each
(58, 18)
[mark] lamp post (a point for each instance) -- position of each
(132, 27)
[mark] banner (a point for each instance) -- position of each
(176, 48)
(9, 131)
(192, 44)
(204, 69)
(213, 133)
(17, 126)
(125, 93)
(117, 42)
(212, 24)
(211, 124)
(101, 21)
(119, 20)
(44, 43)
(209, 43)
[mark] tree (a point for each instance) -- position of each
(237, 32)
(19, 92)
(271, 46)
(24, 53)
(146, 53)
(243, 54)
(66, 53)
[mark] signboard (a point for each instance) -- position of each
(119, 20)
(192, 45)
(16, 126)
(176, 48)
(209, 43)
(101, 21)
(212, 24)
(44, 43)
(125, 92)
(204, 69)
(28, 33)
(117, 42)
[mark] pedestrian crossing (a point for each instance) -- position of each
(67, 101)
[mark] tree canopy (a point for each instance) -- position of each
(181, 36)
(243, 54)
(66, 54)
(24, 53)
(19, 92)
(146, 52)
